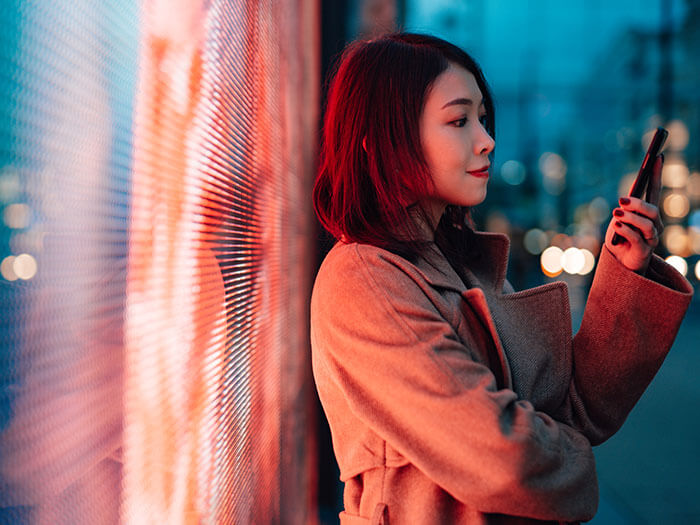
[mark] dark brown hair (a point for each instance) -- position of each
(372, 169)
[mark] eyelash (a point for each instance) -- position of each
(463, 121)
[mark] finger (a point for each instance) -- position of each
(612, 240)
(654, 190)
(627, 233)
(616, 239)
(634, 237)
(640, 207)
(638, 222)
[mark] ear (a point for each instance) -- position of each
(364, 144)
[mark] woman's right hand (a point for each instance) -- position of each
(639, 224)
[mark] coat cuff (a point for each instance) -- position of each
(663, 278)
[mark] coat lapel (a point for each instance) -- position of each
(490, 266)
(475, 299)
(529, 330)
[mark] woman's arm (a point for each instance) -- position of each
(628, 327)
(632, 316)
(382, 350)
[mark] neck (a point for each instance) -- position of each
(426, 222)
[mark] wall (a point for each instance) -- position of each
(156, 169)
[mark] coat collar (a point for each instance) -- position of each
(489, 266)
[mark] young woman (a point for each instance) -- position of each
(451, 398)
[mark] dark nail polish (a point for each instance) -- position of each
(618, 224)
(624, 200)
(618, 212)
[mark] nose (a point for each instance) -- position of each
(483, 143)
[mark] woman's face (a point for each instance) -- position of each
(455, 143)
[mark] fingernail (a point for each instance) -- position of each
(618, 212)
(624, 200)
(618, 224)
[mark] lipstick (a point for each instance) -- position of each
(482, 172)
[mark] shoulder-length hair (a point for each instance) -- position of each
(372, 169)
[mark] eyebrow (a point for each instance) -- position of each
(461, 102)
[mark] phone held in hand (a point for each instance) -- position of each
(641, 183)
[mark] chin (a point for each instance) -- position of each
(474, 200)
(483, 196)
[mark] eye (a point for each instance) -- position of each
(484, 120)
(459, 123)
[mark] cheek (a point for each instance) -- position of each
(431, 149)
(444, 152)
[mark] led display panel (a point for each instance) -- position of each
(155, 173)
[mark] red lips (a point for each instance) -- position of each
(481, 172)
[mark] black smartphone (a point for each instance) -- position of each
(641, 183)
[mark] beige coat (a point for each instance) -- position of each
(460, 406)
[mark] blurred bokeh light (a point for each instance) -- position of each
(551, 261)
(678, 135)
(675, 174)
(676, 205)
(513, 172)
(535, 241)
(679, 263)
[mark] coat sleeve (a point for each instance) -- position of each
(383, 347)
(628, 327)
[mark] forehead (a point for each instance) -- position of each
(455, 82)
